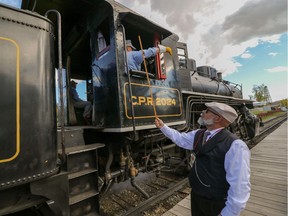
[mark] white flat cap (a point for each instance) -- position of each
(224, 110)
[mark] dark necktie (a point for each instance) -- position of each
(206, 134)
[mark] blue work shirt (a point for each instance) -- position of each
(74, 94)
(135, 57)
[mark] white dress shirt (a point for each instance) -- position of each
(237, 167)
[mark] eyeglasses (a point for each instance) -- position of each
(212, 111)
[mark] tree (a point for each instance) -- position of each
(284, 103)
(259, 92)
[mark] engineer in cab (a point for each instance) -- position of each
(79, 103)
(135, 57)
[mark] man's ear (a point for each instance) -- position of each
(218, 119)
(224, 122)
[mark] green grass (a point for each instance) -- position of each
(255, 112)
(269, 116)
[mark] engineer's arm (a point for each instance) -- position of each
(137, 55)
(184, 140)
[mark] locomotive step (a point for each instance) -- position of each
(83, 196)
(82, 148)
(81, 173)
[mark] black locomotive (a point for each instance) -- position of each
(51, 162)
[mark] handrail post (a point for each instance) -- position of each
(130, 88)
(60, 79)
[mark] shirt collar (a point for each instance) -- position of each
(215, 131)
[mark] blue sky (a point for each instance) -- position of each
(14, 3)
(264, 64)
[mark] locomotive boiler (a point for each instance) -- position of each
(52, 162)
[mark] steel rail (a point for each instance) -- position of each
(265, 132)
(157, 198)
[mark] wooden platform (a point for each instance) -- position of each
(268, 179)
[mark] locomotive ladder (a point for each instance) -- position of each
(82, 169)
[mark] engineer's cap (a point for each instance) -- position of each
(224, 110)
(129, 43)
(73, 82)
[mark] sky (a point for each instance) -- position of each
(14, 3)
(245, 39)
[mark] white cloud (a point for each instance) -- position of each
(272, 54)
(273, 39)
(217, 31)
(246, 55)
(277, 69)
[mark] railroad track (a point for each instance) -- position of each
(130, 201)
(269, 127)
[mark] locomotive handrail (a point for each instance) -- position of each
(129, 83)
(60, 79)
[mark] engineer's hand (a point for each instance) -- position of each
(159, 123)
(163, 49)
(169, 50)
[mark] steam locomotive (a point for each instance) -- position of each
(51, 161)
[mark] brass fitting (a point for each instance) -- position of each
(133, 171)
(122, 161)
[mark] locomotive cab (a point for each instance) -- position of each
(123, 100)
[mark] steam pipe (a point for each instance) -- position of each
(163, 148)
(120, 171)
(108, 174)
